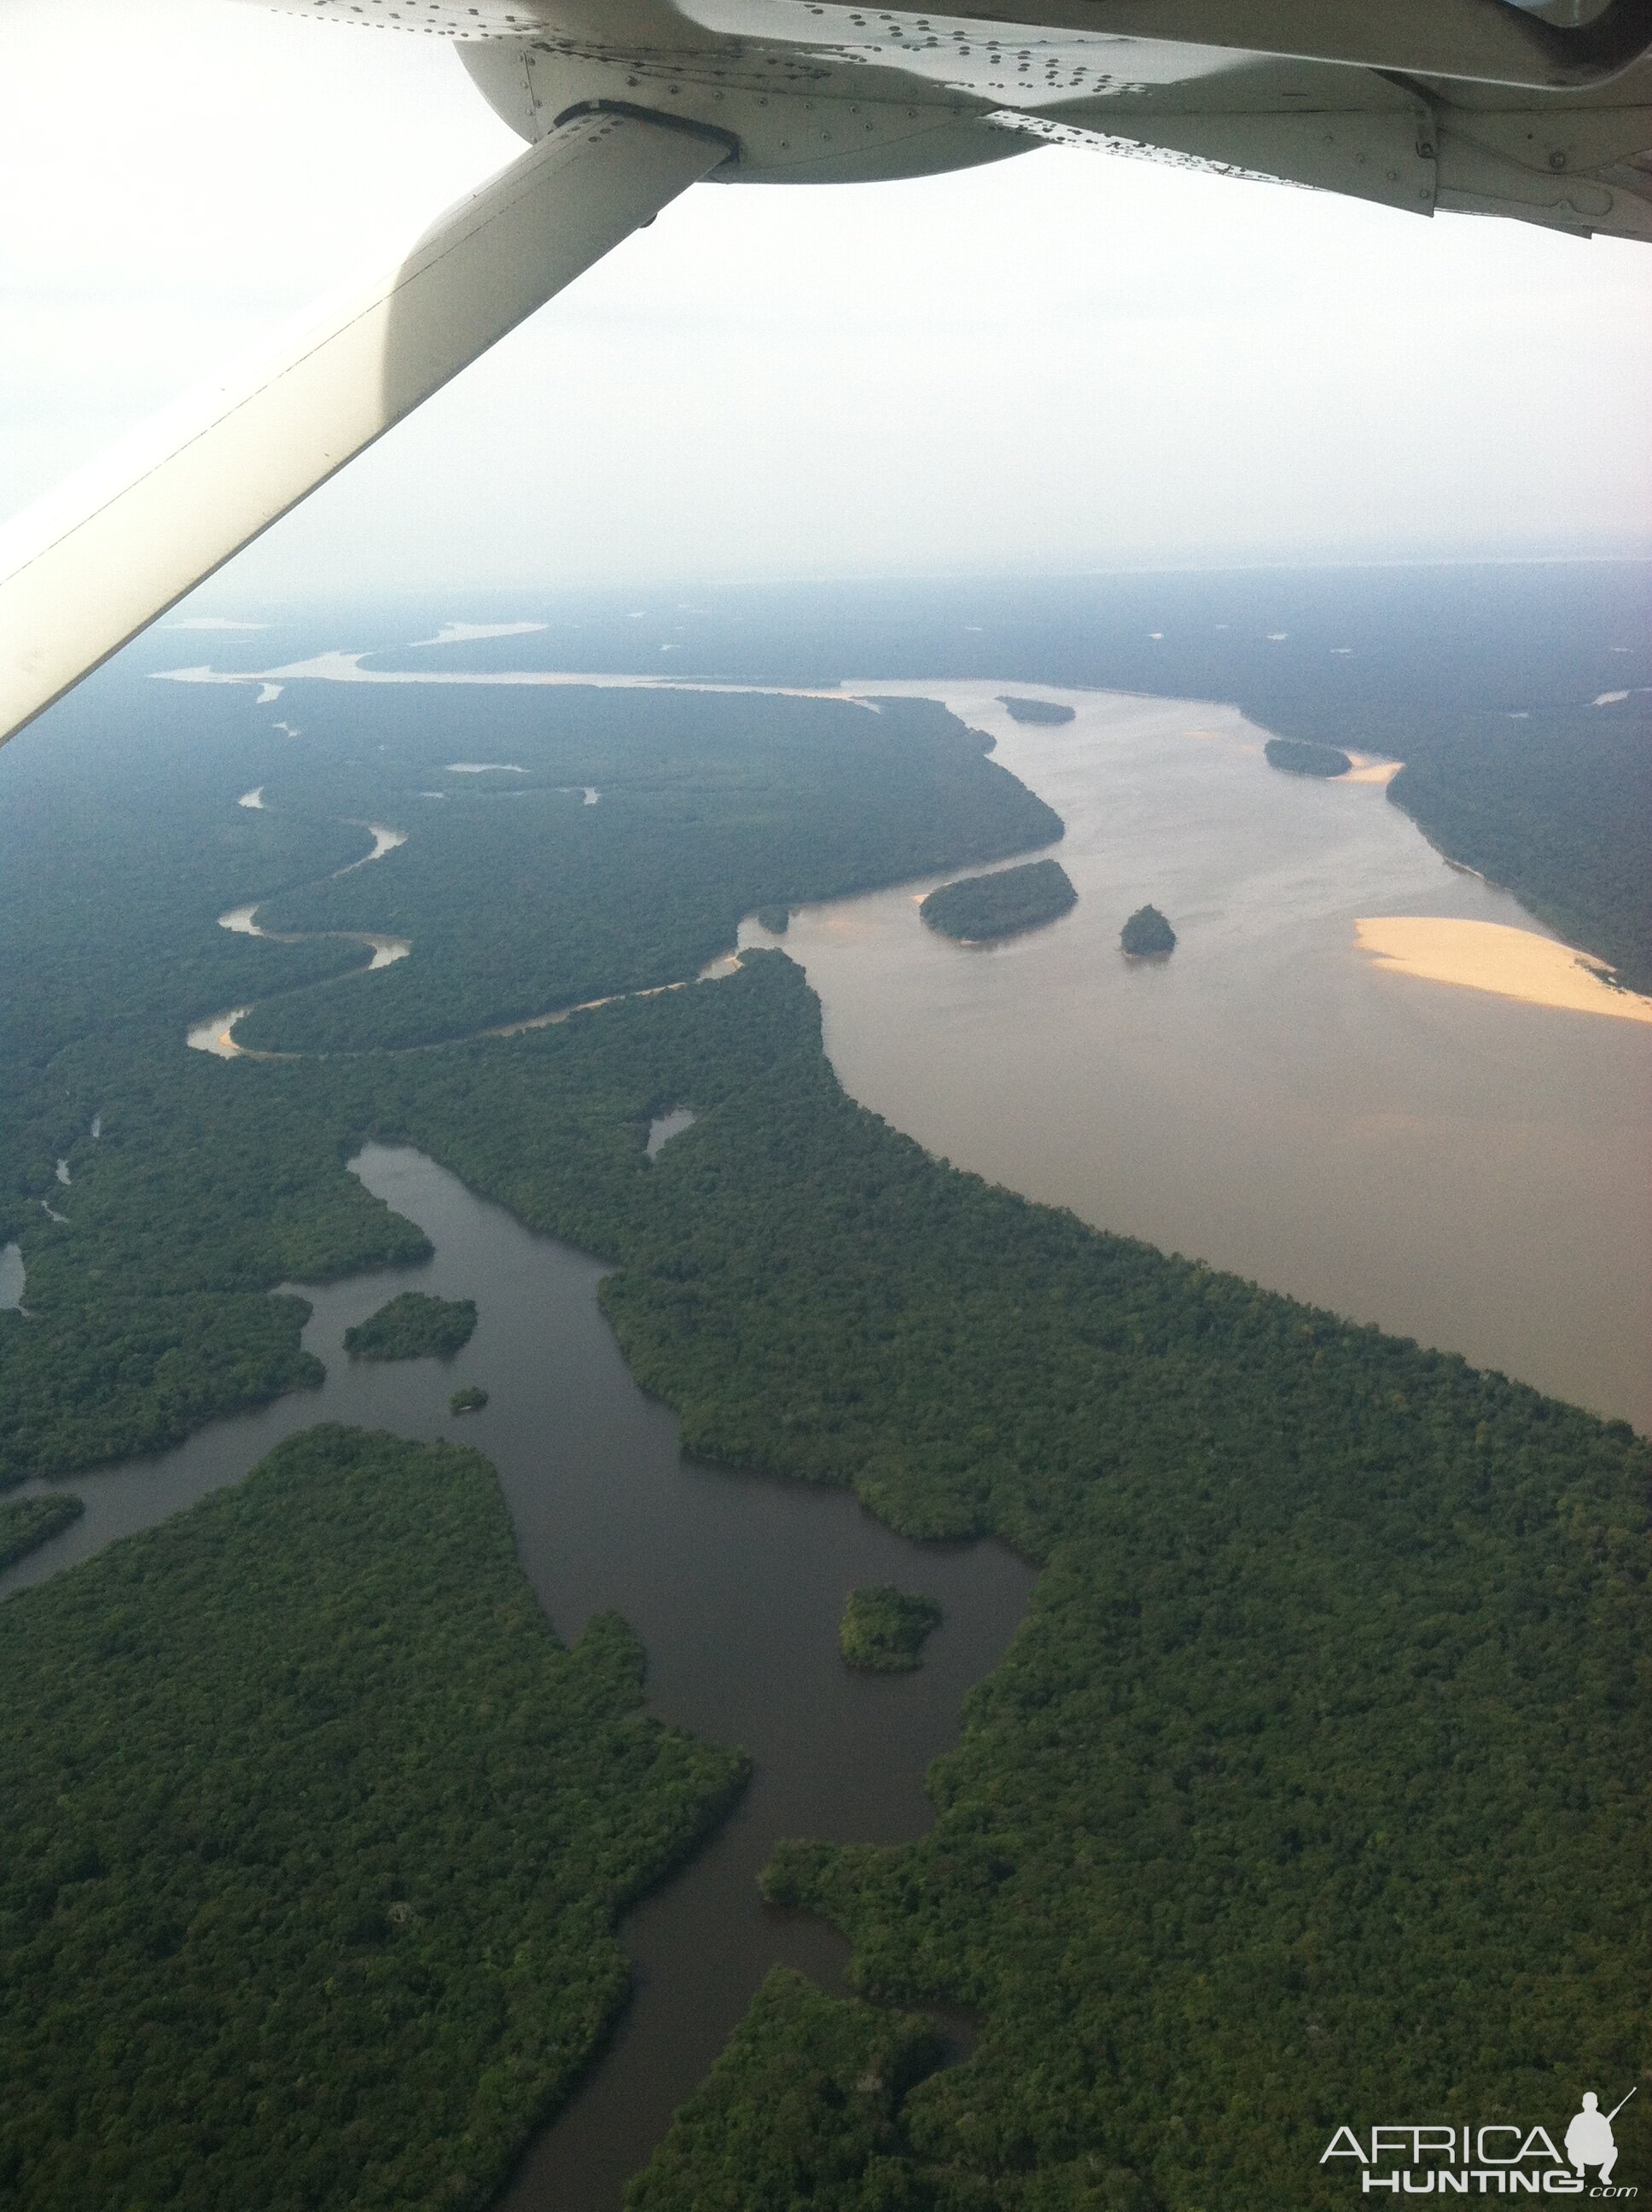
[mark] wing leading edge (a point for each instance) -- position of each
(87, 568)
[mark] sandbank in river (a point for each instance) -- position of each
(1493, 956)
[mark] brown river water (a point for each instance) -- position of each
(1467, 1169)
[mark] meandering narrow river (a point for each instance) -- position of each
(734, 1582)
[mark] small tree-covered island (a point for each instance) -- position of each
(1034, 710)
(471, 1400)
(413, 1326)
(981, 908)
(1147, 933)
(883, 1629)
(1297, 756)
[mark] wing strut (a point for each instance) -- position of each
(86, 567)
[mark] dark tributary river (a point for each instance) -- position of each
(735, 1583)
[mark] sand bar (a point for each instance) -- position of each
(1371, 768)
(1491, 955)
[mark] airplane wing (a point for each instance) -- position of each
(1472, 107)
(86, 568)
(1536, 109)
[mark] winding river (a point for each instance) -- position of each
(734, 1582)
(216, 1034)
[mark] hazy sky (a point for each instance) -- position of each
(1063, 361)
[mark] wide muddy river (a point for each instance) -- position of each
(1465, 1167)
(735, 1584)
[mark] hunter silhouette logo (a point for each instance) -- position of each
(1589, 2139)
(1497, 2159)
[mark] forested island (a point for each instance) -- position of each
(981, 908)
(1325, 1721)
(1298, 757)
(469, 1399)
(1147, 934)
(28, 1523)
(1034, 710)
(413, 1326)
(883, 1629)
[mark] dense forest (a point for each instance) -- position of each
(519, 897)
(981, 908)
(120, 843)
(312, 1845)
(1297, 758)
(118, 858)
(1554, 802)
(148, 1305)
(413, 1326)
(883, 1629)
(149, 1308)
(1314, 1785)
(803, 2108)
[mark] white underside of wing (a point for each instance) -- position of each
(88, 567)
